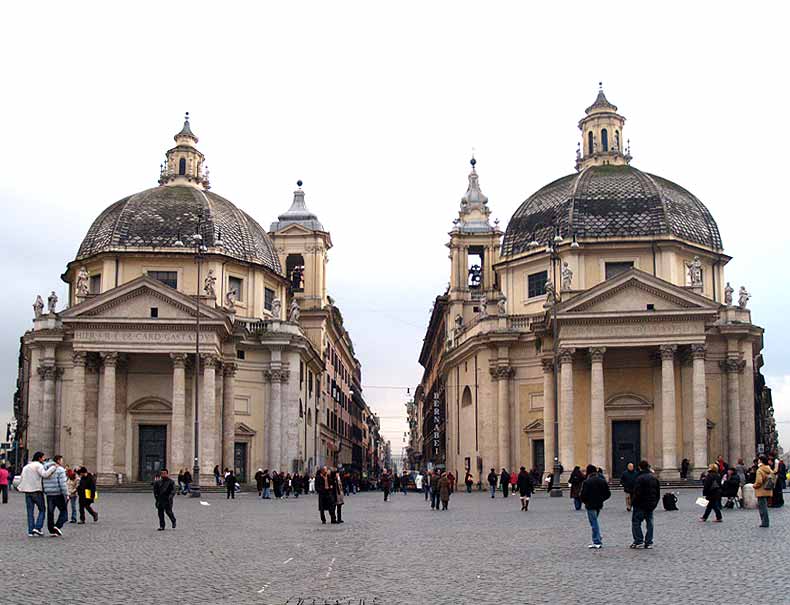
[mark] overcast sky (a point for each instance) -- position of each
(377, 107)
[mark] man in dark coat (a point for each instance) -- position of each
(492, 479)
(164, 490)
(504, 480)
(645, 498)
(595, 491)
(435, 489)
(711, 490)
(525, 487)
(259, 481)
(386, 484)
(627, 481)
(326, 490)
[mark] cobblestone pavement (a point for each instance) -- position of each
(481, 551)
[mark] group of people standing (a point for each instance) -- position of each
(50, 486)
(283, 484)
(329, 487)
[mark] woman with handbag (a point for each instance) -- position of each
(86, 492)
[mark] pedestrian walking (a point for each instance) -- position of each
(72, 483)
(645, 497)
(444, 490)
(266, 482)
(296, 484)
(57, 493)
(711, 490)
(426, 484)
(627, 482)
(526, 487)
(764, 484)
(575, 483)
(492, 479)
(217, 475)
(164, 490)
(595, 491)
(4, 483)
(259, 481)
(780, 472)
(504, 481)
(435, 489)
(684, 468)
(187, 481)
(230, 485)
(404, 482)
(86, 492)
(340, 499)
(30, 484)
(469, 481)
(395, 482)
(326, 495)
(451, 480)
(386, 484)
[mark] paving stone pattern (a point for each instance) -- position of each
(480, 551)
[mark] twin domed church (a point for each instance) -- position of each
(598, 328)
(179, 301)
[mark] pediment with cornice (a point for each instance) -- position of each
(536, 426)
(243, 430)
(627, 401)
(155, 405)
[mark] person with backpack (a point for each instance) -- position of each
(492, 479)
(711, 490)
(644, 500)
(595, 491)
(764, 483)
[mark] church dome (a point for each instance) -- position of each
(611, 201)
(164, 216)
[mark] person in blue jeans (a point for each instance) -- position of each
(645, 496)
(595, 491)
(492, 479)
(31, 485)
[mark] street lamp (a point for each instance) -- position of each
(199, 249)
(553, 250)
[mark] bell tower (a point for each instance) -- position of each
(302, 245)
(474, 249)
(184, 164)
(602, 135)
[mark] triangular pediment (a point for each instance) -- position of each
(636, 291)
(534, 427)
(295, 229)
(242, 430)
(135, 299)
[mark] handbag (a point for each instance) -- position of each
(88, 494)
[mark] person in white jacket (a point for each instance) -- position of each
(31, 484)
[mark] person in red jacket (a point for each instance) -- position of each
(4, 482)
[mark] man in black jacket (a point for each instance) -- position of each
(164, 490)
(595, 491)
(645, 498)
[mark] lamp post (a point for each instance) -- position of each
(553, 250)
(199, 248)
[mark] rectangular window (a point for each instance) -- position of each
(268, 298)
(154, 312)
(94, 285)
(240, 354)
(536, 284)
(616, 268)
(168, 278)
(236, 283)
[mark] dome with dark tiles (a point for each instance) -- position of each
(166, 216)
(611, 202)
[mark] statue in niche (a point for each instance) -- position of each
(230, 299)
(501, 306)
(38, 307)
(483, 306)
(567, 276)
(551, 295)
(294, 312)
(459, 321)
(695, 273)
(82, 283)
(743, 297)
(277, 307)
(52, 302)
(209, 284)
(728, 291)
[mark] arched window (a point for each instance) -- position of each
(182, 166)
(294, 269)
(604, 140)
(466, 398)
(617, 140)
(590, 149)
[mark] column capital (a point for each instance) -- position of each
(667, 352)
(548, 364)
(566, 355)
(502, 372)
(209, 360)
(732, 365)
(179, 360)
(596, 354)
(79, 358)
(280, 375)
(46, 372)
(698, 351)
(229, 368)
(109, 359)
(267, 376)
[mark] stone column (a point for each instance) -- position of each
(501, 376)
(267, 424)
(567, 453)
(733, 366)
(47, 426)
(57, 439)
(288, 421)
(105, 433)
(700, 404)
(228, 414)
(597, 414)
(275, 420)
(77, 420)
(748, 435)
(178, 457)
(208, 410)
(548, 413)
(669, 457)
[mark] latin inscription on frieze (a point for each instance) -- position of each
(140, 337)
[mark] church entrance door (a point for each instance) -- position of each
(538, 455)
(153, 450)
(240, 461)
(626, 445)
